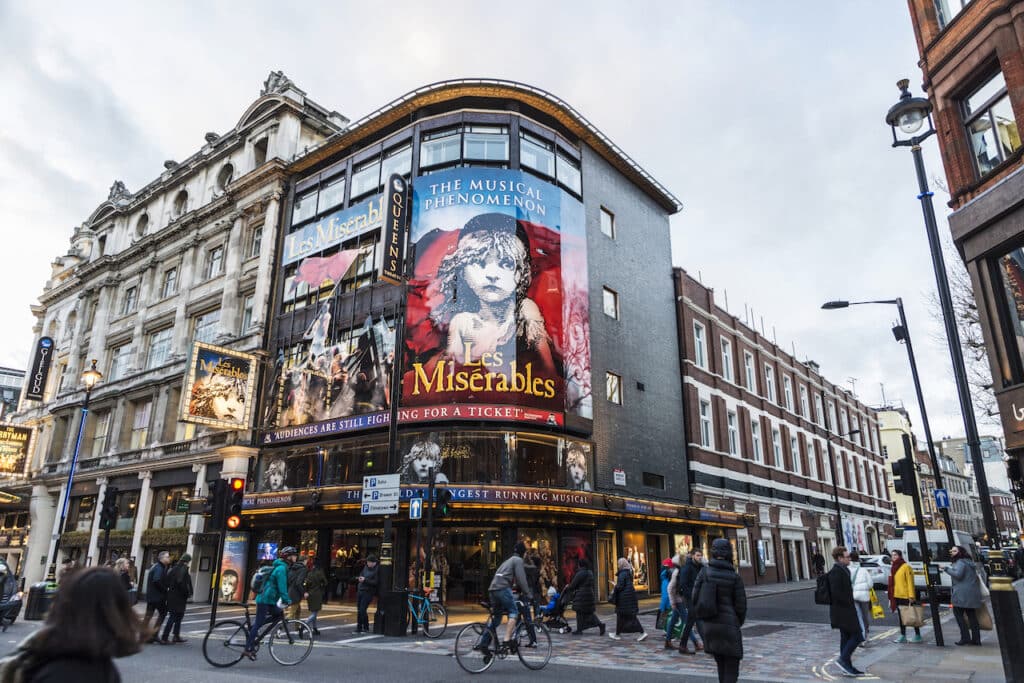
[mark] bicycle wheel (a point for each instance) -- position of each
(291, 642)
(224, 643)
(437, 621)
(533, 644)
(471, 659)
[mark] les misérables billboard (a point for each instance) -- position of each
(497, 323)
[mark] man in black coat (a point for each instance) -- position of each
(179, 590)
(843, 611)
(722, 635)
(584, 598)
(156, 593)
(684, 587)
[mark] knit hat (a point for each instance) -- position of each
(721, 549)
(185, 558)
(667, 562)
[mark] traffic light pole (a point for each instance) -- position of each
(427, 559)
(219, 514)
(922, 535)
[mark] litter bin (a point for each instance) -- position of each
(393, 612)
(39, 599)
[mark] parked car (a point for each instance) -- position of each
(878, 567)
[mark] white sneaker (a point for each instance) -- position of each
(643, 637)
(614, 636)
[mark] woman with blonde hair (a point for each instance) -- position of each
(124, 572)
(626, 605)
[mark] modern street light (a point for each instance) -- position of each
(89, 380)
(902, 334)
(840, 536)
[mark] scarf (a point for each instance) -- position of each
(896, 564)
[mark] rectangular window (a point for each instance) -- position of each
(607, 223)
(332, 194)
(247, 309)
(794, 453)
(215, 262)
(777, 449)
(255, 241)
(397, 160)
(755, 438)
(119, 359)
(769, 383)
(844, 423)
(855, 431)
(365, 178)
(947, 10)
(819, 412)
(613, 388)
(991, 126)
(131, 300)
(727, 373)
(140, 424)
(743, 547)
(485, 143)
(812, 460)
(732, 420)
(840, 470)
(805, 406)
(705, 425)
(568, 173)
(826, 469)
(62, 377)
(699, 346)
(204, 326)
(833, 423)
(654, 481)
(100, 431)
(611, 303)
(440, 147)
(537, 154)
(305, 206)
(748, 367)
(787, 392)
(159, 347)
(170, 283)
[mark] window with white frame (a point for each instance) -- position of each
(748, 367)
(214, 262)
(991, 124)
(100, 430)
(787, 392)
(812, 460)
(755, 439)
(769, 547)
(871, 442)
(819, 413)
(159, 347)
(611, 303)
(743, 547)
(607, 223)
(169, 287)
(844, 423)
(769, 383)
(204, 326)
(255, 241)
(826, 470)
(805, 406)
(131, 300)
(140, 424)
(853, 473)
(613, 388)
(833, 423)
(247, 311)
(700, 356)
(706, 439)
(733, 422)
(120, 356)
(865, 482)
(777, 449)
(855, 427)
(840, 470)
(727, 373)
(794, 452)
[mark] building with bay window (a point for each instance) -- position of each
(185, 259)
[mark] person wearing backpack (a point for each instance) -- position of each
(722, 635)
(156, 594)
(843, 610)
(179, 590)
(272, 596)
(315, 584)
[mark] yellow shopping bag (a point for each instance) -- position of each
(876, 609)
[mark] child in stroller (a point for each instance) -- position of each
(553, 613)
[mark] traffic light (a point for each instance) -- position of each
(903, 476)
(213, 506)
(236, 494)
(108, 511)
(314, 500)
(442, 502)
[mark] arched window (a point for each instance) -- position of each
(141, 225)
(227, 172)
(180, 203)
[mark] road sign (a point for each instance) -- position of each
(382, 481)
(941, 498)
(382, 495)
(415, 508)
(387, 508)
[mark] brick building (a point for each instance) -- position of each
(1005, 511)
(761, 427)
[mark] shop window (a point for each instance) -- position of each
(127, 508)
(635, 551)
(80, 513)
(170, 507)
(990, 123)
(654, 481)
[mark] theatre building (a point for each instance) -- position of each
(535, 340)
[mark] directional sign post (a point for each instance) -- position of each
(381, 494)
(416, 508)
(941, 498)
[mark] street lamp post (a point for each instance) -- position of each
(89, 379)
(840, 536)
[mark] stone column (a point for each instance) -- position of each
(160, 416)
(140, 348)
(236, 461)
(42, 510)
(182, 329)
(98, 339)
(92, 556)
(230, 305)
(264, 275)
(142, 513)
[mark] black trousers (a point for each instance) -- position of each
(363, 604)
(964, 617)
(728, 669)
(161, 609)
(691, 623)
(173, 622)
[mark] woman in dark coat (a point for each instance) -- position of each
(626, 605)
(531, 565)
(966, 595)
(315, 585)
(584, 598)
(722, 636)
(179, 590)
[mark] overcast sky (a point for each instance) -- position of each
(765, 119)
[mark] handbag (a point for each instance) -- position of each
(984, 618)
(912, 615)
(876, 608)
(662, 620)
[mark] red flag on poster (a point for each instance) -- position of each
(315, 269)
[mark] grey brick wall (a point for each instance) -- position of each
(645, 433)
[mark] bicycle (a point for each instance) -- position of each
(431, 616)
(531, 642)
(291, 640)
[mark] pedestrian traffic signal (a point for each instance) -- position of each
(214, 504)
(442, 502)
(236, 495)
(903, 476)
(108, 511)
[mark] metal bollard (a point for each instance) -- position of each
(1009, 626)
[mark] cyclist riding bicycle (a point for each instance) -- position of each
(511, 572)
(273, 596)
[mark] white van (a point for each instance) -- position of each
(938, 545)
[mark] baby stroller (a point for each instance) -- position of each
(553, 614)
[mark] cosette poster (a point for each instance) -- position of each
(498, 300)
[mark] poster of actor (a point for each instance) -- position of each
(420, 453)
(219, 386)
(232, 568)
(577, 458)
(497, 305)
